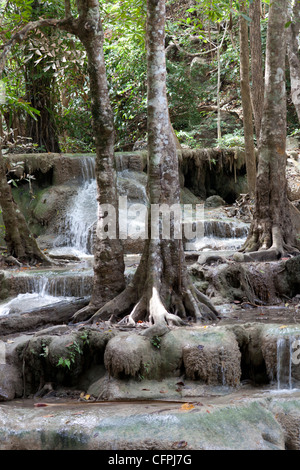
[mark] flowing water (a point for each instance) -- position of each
(76, 231)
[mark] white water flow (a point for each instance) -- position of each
(284, 362)
(41, 290)
(81, 214)
(78, 227)
(37, 296)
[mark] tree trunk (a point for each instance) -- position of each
(161, 291)
(275, 222)
(20, 242)
(109, 265)
(54, 314)
(293, 55)
(40, 94)
(246, 102)
(257, 73)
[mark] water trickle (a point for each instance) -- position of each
(38, 290)
(88, 171)
(284, 362)
(77, 229)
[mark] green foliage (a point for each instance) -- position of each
(235, 139)
(155, 341)
(75, 349)
(125, 58)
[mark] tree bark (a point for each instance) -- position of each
(39, 93)
(293, 55)
(54, 314)
(246, 102)
(109, 265)
(257, 69)
(161, 291)
(20, 242)
(276, 221)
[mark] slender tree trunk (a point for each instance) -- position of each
(246, 102)
(257, 70)
(40, 94)
(293, 55)
(109, 266)
(276, 221)
(161, 291)
(219, 47)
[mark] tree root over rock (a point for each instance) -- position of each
(160, 293)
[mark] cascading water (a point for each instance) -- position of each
(49, 288)
(284, 362)
(81, 215)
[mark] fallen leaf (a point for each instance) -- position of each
(179, 383)
(146, 389)
(40, 404)
(180, 444)
(187, 406)
(283, 326)
(163, 391)
(47, 416)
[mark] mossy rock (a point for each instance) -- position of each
(210, 355)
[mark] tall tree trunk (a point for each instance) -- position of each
(275, 222)
(40, 94)
(109, 266)
(246, 102)
(161, 291)
(257, 70)
(293, 55)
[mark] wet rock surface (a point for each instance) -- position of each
(236, 423)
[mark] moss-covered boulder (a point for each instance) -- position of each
(208, 354)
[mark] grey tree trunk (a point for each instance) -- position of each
(292, 33)
(109, 265)
(161, 291)
(276, 221)
(246, 102)
(257, 69)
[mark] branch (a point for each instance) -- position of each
(190, 54)
(67, 9)
(67, 24)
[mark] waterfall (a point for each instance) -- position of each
(284, 355)
(39, 290)
(77, 229)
